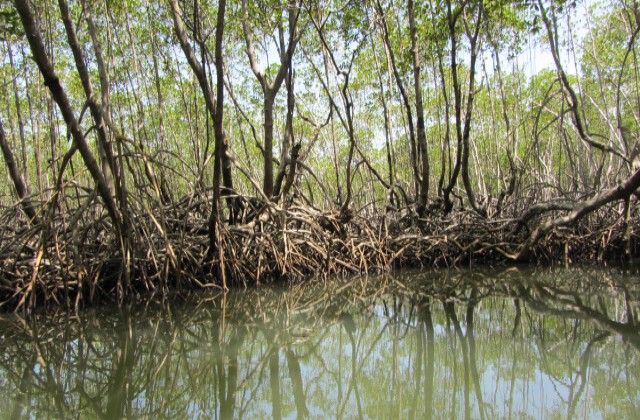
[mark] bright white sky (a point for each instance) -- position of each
(537, 57)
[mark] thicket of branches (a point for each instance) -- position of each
(150, 147)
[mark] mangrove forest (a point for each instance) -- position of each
(156, 147)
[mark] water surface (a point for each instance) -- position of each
(508, 343)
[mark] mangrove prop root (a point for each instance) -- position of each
(75, 259)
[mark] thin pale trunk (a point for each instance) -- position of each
(156, 75)
(35, 126)
(393, 98)
(334, 147)
(104, 150)
(344, 211)
(53, 136)
(511, 136)
(466, 180)
(291, 174)
(572, 98)
(387, 124)
(210, 101)
(287, 160)
(162, 135)
(405, 99)
(270, 89)
(463, 122)
(192, 59)
(267, 186)
(446, 151)
(423, 150)
(347, 102)
(453, 179)
(23, 139)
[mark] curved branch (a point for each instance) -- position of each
(622, 191)
(52, 82)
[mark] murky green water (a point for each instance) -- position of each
(514, 343)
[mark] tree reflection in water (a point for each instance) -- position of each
(472, 344)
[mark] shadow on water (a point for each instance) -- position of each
(469, 344)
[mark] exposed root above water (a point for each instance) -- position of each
(73, 258)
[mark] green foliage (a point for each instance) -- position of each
(156, 103)
(9, 21)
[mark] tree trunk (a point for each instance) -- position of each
(210, 101)
(57, 92)
(387, 126)
(267, 186)
(423, 195)
(218, 133)
(270, 89)
(23, 140)
(462, 123)
(473, 41)
(405, 99)
(21, 187)
(287, 143)
(104, 150)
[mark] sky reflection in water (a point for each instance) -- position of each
(507, 343)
